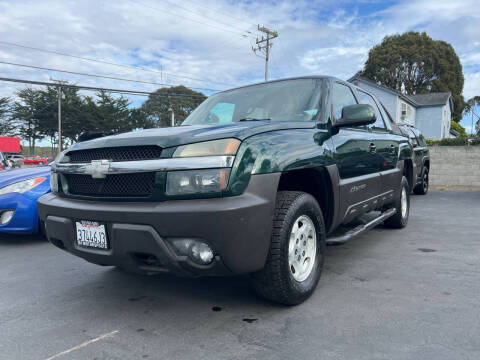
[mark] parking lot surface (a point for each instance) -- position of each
(388, 294)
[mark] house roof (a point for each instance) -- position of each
(431, 99)
(439, 98)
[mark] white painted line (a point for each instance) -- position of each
(82, 345)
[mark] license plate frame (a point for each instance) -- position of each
(91, 235)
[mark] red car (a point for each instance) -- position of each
(35, 160)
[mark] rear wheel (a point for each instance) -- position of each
(297, 249)
(402, 205)
(422, 188)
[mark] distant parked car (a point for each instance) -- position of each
(35, 160)
(421, 159)
(16, 160)
(19, 191)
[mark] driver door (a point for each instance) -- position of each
(354, 155)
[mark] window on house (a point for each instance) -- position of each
(404, 110)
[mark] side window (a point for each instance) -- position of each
(342, 96)
(367, 99)
(413, 138)
(422, 140)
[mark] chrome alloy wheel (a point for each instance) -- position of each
(302, 248)
(404, 205)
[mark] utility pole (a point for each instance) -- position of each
(173, 117)
(59, 89)
(59, 119)
(264, 45)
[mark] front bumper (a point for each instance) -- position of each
(237, 228)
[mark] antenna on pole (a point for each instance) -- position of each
(264, 45)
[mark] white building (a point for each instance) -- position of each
(430, 113)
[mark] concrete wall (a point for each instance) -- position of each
(455, 165)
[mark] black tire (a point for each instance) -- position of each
(276, 282)
(422, 188)
(400, 219)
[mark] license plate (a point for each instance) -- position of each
(91, 234)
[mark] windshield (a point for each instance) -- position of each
(289, 100)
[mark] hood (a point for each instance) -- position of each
(15, 175)
(181, 135)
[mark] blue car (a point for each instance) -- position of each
(19, 191)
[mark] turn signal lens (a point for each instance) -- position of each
(208, 148)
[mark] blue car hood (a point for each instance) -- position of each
(15, 175)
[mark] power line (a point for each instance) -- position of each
(109, 63)
(221, 12)
(93, 88)
(96, 76)
(187, 18)
(202, 15)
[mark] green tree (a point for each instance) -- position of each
(25, 112)
(414, 63)
(471, 111)
(179, 98)
(459, 129)
(7, 127)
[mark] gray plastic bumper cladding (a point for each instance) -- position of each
(237, 228)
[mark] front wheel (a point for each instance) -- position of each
(402, 205)
(297, 249)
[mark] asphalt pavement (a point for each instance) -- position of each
(388, 294)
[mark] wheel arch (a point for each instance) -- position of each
(316, 182)
(408, 172)
(427, 164)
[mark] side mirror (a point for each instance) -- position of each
(356, 115)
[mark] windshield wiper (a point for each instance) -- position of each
(254, 119)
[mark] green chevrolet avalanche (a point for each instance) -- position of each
(258, 180)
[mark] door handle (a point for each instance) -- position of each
(373, 148)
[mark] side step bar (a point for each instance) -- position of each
(349, 235)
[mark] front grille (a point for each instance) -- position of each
(117, 185)
(121, 153)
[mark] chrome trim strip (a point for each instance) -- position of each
(100, 168)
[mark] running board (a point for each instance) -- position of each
(349, 235)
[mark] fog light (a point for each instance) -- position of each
(201, 253)
(6, 217)
(196, 250)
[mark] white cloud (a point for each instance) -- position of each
(315, 37)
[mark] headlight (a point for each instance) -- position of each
(22, 186)
(62, 158)
(208, 148)
(54, 182)
(211, 181)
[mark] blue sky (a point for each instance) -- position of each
(210, 40)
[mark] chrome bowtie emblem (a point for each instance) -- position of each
(98, 168)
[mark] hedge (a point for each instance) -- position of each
(460, 141)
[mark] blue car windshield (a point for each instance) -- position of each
(287, 100)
